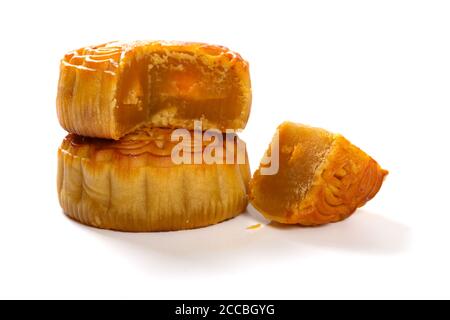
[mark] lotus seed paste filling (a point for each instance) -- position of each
(302, 151)
(161, 87)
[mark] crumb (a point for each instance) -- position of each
(255, 226)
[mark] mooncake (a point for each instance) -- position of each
(134, 184)
(109, 90)
(322, 178)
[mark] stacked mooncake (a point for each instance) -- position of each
(123, 105)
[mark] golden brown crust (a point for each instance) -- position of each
(132, 185)
(91, 78)
(345, 180)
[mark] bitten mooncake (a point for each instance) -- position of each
(322, 178)
(134, 185)
(109, 90)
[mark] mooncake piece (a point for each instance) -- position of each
(133, 184)
(110, 90)
(322, 178)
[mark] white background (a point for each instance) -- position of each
(376, 71)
